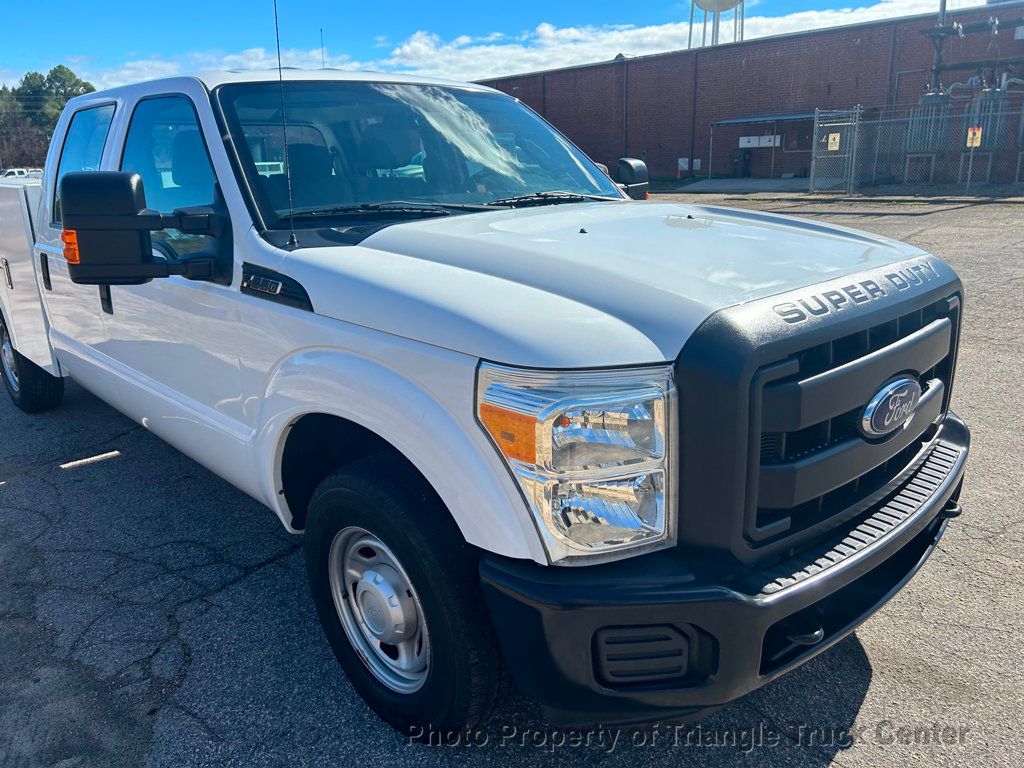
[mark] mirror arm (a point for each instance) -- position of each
(201, 220)
(196, 268)
(143, 220)
(198, 220)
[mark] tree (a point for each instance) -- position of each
(63, 84)
(42, 97)
(9, 107)
(19, 138)
(31, 96)
(29, 113)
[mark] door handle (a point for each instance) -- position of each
(44, 270)
(7, 274)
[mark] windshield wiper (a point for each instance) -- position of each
(546, 198)
(399, 207)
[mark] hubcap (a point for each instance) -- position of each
(379, 610)
(7, 357)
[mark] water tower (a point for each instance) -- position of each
(715, 11)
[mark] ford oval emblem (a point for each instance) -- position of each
(891, 407)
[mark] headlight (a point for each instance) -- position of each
(591, 452)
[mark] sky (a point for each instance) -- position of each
(461, 39)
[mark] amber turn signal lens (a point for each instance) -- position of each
(515, 433)
(70, 240)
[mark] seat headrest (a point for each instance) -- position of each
(309, 161)
(190, 166)
(391, 144)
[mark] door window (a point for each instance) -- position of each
(166, 148)
(83, 146)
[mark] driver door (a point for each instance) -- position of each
(172, 338)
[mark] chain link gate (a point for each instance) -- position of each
(946, 148)
(834, 149)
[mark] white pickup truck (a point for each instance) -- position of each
(639, 458)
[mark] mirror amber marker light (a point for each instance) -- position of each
(70, 239)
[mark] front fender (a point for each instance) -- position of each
(431, 424)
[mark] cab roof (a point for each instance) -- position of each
(213, 78)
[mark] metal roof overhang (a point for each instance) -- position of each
(765, 119)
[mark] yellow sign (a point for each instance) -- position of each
(833, 142)
(973, 138)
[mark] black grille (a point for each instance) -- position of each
(834, 380)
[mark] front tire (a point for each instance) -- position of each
(397, 591)
(30, 387)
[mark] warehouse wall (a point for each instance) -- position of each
(661, 107)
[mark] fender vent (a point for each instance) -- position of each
(273, 286)
(641, 654)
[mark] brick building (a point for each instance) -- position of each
(661, 107)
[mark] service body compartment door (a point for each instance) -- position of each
(23, 306)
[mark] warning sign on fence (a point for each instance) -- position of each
(833, 142)
(973, 138)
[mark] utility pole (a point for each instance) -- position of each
(939, 42)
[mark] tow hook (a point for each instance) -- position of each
(807, 638)
(951, 510)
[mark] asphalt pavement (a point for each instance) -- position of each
(151, 614)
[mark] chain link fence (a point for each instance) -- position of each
(937, 148)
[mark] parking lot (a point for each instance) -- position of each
(150, 614)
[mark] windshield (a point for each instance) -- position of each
(352, 144)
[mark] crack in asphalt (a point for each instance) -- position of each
(89, 449)
(122, 647)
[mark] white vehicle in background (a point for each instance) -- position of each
(35, 173)
(14, 173)
(270, 168)
(641, 458)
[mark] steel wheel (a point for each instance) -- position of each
(379, 610)
(8, 359)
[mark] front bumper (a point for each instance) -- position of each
(657, 638)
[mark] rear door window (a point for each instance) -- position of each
(83, 146)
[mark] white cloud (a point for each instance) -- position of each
(544, 47)
(133, 72)
(9, 77)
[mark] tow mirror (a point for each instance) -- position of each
(106, 231)
(633, 178)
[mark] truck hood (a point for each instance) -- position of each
(576, 285)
